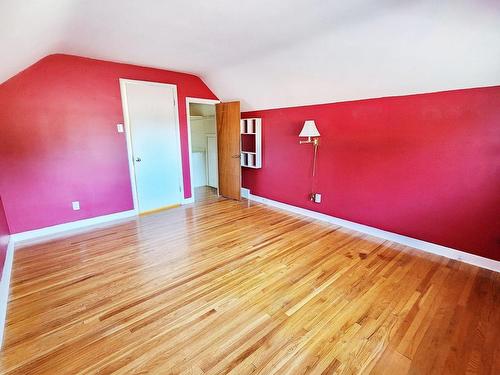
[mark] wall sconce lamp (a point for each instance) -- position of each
(310, 131)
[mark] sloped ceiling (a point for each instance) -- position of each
(271, 53)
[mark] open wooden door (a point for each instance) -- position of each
(228, 146)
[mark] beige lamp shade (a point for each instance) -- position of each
(309, 129)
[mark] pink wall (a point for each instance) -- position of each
(425, 166)
(4, 237)
(59, 141)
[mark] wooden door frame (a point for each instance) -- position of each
(128, 135)
(190, 100)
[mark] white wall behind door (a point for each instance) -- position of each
(199, 161)
(154, 133)
(212, 163)
(200, 128)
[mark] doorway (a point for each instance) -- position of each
(152, 130)
(203, 149)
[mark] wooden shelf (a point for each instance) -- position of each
(251, 127)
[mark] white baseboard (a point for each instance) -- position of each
(58, 230)
(4, 287)
(245, 192)
(188, 200)
(429, 247)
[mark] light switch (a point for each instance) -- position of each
(119, 127)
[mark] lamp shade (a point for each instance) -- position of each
(309, 129)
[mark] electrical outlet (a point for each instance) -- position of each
(76, 205)
(317, 198)
(119, 127)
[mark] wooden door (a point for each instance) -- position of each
(228, 147)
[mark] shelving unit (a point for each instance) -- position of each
(251, 142)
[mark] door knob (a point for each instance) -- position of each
(236, 156)
(138, 159)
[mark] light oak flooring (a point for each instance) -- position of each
(236, 287)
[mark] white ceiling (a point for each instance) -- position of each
(272, 53)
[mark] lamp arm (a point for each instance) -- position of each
(315, 156)
(308, 141)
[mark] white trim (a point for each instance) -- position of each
(428, 247)
(190, 100)
(188, 200)
(61, 229)
(4, 287)
(126, 120)
(245, 193)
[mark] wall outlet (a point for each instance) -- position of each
(316, 197)
(76, 205)
(119, 127)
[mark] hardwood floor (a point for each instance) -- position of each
(205, 194)
(236, 287)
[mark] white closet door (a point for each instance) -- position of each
(155, 144)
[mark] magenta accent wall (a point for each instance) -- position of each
(59, 141)
(4, 237)
(425, 166)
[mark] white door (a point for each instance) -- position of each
(154, 139)
(212, 167)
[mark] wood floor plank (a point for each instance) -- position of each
(225, 287)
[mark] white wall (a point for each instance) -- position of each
(200, 128)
